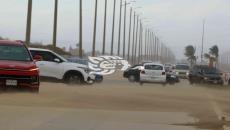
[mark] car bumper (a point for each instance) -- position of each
(26, 82)
(214, 81)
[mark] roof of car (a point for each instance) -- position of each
(8, 42)
(153, 64)
(39, 49)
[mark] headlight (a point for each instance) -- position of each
(35, 69)
(205, 78)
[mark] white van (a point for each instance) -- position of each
(153, 72)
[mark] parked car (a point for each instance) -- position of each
(205, 74)
(181, 70)
(53, 65)
(133, 73)
(17, 68)
(153, 72)
(98, 78)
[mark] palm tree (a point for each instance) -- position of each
(213, 55)
(190, 52)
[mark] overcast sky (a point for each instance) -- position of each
(177, 22)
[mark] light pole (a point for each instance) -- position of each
(136, 40)
(149, 48)
(112, 40)
(124, 38)
(95, 29)
(55, 24)
(202, 46)
(119, 35)
(130, 24)
(140, 43)
(133, 42)
(146, 45)
(80, 30)
(155, 48)
(28, 25)
(104, 35)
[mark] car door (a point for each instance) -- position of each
(48, 66)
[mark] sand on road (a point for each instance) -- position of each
(116, 104)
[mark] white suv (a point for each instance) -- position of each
(153, 72)
(55, 66)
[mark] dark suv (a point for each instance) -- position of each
(17, 68)
(205, 74)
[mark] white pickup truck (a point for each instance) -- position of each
(55, 66)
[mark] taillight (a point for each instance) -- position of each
(163, 73)
(142, 72)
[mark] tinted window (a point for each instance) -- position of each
(154, 67)
(182, 67)
(46, 56)
(13, 52)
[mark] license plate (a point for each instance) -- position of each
(11, 82)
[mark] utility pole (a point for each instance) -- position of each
(28, 25)
(95, 29)
(104, 35)
(202, 46)
(124, 36)
(55, 24)
(80, 30)
(130, 24)
(112, 41)
(119, 35)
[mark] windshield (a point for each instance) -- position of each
(211, 71)
(13, 52)
(182, 67)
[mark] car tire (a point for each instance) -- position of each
(229, 82)
(191, 82)
(141, 83)
(131, 78)
(73, 79)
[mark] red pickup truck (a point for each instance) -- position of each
(17, 67)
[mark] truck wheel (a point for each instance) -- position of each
(73, 79)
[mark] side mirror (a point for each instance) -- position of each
(37, 58)
(57, 60)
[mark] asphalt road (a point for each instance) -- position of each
(116, 104)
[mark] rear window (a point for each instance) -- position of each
(14, 52)
(153, 67)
